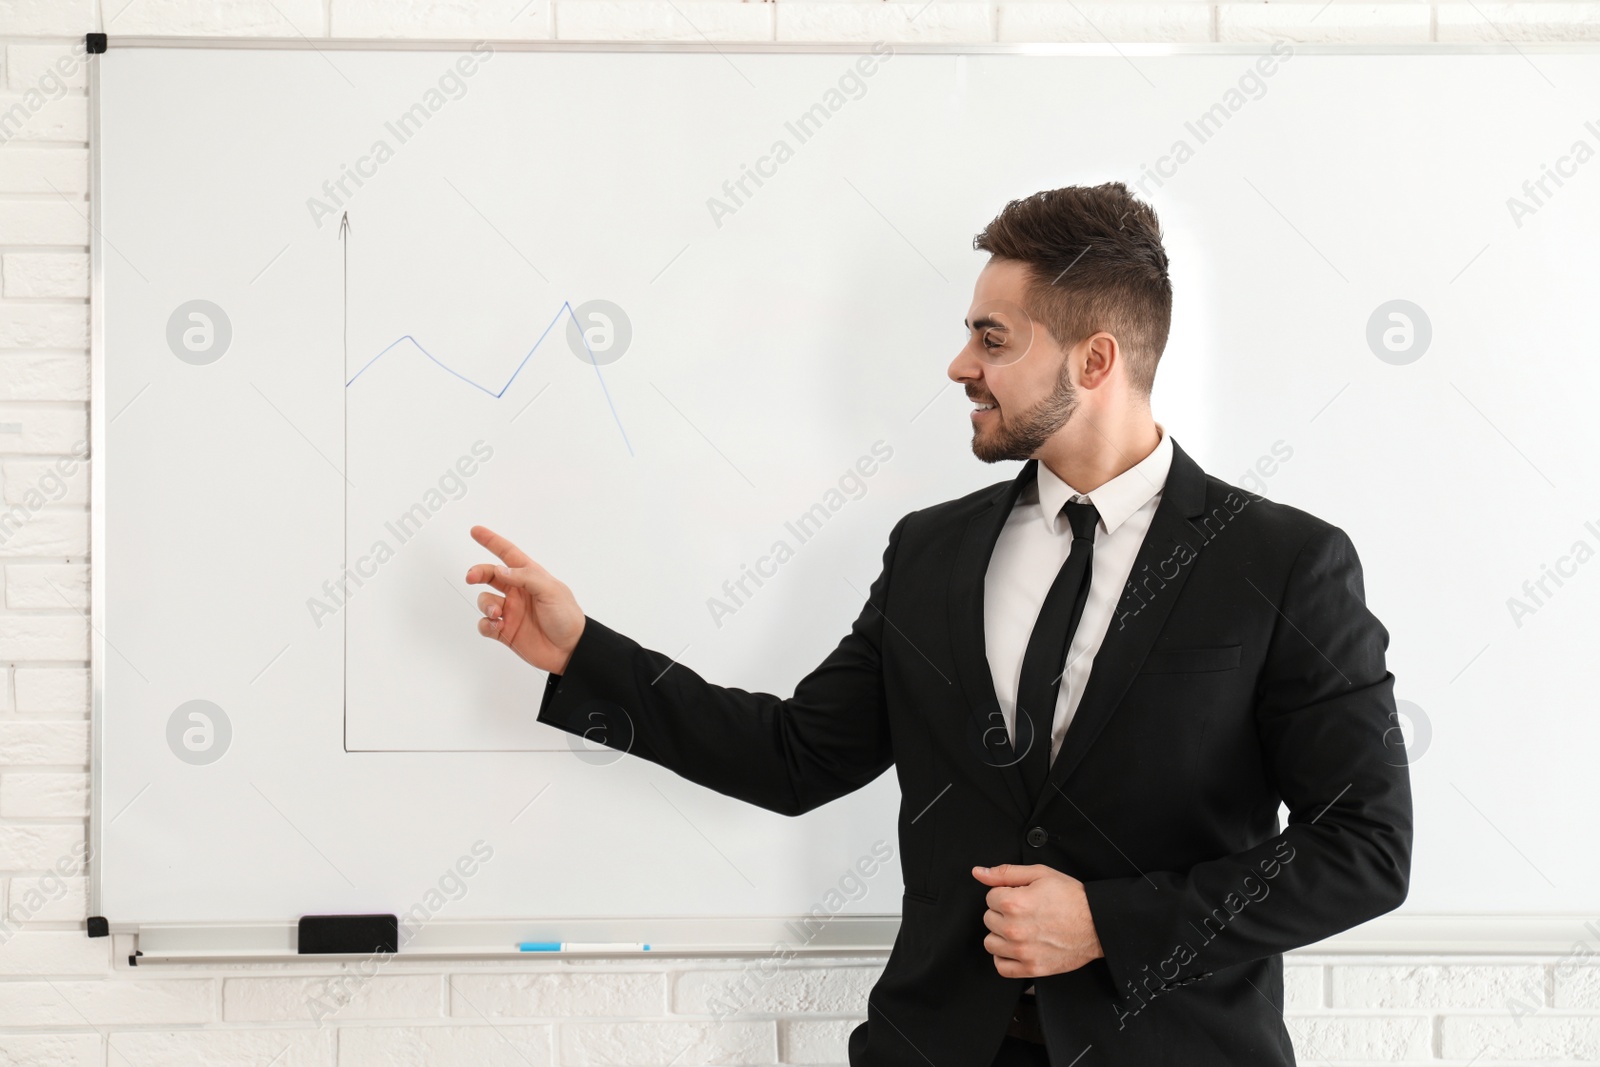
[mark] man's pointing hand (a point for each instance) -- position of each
(535, 616)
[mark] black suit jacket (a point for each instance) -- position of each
(1240, 669)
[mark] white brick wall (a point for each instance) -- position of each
(68, 1001)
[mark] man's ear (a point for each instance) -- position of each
(1099, 357)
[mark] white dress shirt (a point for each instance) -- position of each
(1032, 547)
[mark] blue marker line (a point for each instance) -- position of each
(583, 946)
(498, 393)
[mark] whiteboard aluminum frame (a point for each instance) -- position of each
(842, 937)
(1444, 934)
(447, 44)
(97, 489)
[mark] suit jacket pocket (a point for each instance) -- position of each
(1191, 660)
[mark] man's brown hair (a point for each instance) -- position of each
(1095, 262)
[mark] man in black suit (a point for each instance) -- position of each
(1096, 683)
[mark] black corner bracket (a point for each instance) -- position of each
(98, 927)
(95, 42)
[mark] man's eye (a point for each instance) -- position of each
(994, 339)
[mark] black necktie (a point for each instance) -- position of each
(1043, 662)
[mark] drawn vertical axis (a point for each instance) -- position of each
(344, 537)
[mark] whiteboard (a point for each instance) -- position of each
(734, 364)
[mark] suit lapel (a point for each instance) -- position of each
(1162, 566)
(985, 731)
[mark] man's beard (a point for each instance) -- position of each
(1020, 436)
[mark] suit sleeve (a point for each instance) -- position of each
(785, 755)
(1325, 716)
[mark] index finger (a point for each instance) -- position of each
(509, 554)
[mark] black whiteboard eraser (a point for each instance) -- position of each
(95, 42)
(98, 927)
(323, 934)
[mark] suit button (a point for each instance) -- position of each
(1037, 837)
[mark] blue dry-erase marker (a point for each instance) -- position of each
(583, 946)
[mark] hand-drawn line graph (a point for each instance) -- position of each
(566, 308)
